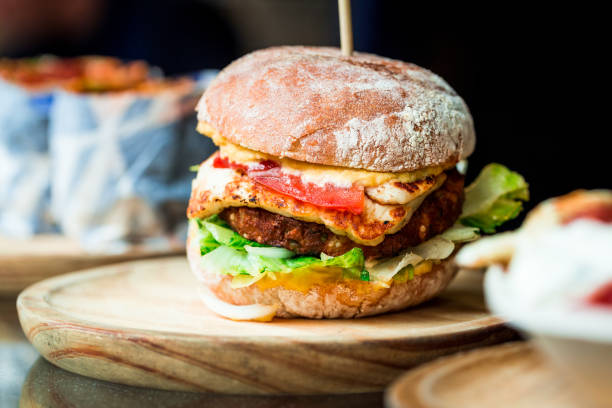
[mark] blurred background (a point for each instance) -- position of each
(515, 66)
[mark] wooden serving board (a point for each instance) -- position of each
(23, 262)
(142, 323)
(510, 375)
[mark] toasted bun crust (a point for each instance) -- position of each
(347, 299)
(315, 105)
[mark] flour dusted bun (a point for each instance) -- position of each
(315, 105)
(344, 299)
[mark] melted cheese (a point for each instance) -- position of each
(215, 189)
(303, 282)
(316, 173)
(423, 268)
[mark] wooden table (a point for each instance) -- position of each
(34, 382)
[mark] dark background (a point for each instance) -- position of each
(535, 80)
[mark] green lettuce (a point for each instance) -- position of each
(226, 251)
(495, 197)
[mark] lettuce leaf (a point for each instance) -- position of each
(224, 235)
(214, 232)
(436, 248)
(206, 241)
(495, 197)
(229, 261)
(459, 233)
(271, 252)
(384, 271)
(226, 251)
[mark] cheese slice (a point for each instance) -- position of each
(317, 173)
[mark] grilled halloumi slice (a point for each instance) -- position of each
(397, 192)
(215, 189)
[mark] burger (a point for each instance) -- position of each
(337, 190)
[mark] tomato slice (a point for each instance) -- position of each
(328, 195)
(269, 174)
(602, 296)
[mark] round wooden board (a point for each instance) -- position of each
(510, 375)
(26, 261)
(142, 323)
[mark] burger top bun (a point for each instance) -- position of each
(315, 105)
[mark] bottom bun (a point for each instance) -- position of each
(342, 299)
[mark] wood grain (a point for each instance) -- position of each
(23, 262)
(142, 323)
(511, 375)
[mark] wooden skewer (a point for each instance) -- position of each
(346, 27)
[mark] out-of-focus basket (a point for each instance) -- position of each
(103, 157)
(120, 173)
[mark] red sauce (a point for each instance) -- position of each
(596, 212)
(602, 296)
(264, 165)
(225, 163)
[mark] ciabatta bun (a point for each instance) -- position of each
(315, 105)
